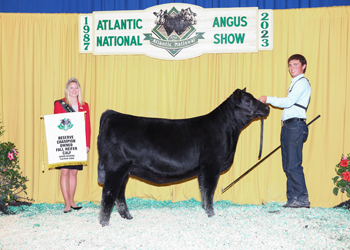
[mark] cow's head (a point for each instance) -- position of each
(248, 105)
(189, 16)
(160, 20)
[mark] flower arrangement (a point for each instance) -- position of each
(342, 181)
(12, 183)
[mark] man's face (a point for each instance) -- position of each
(295, 68)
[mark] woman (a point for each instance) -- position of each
(68, 179)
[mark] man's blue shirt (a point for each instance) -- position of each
(299, 92)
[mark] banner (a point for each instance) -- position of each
(176, 31)
(65, 139)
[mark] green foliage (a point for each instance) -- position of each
(342, 180)
(12, 183)
(2, 131)
(335, 191)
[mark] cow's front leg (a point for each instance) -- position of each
(210, 181)
(121, 202)
(201, 189)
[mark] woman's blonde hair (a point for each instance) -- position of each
(66, 93)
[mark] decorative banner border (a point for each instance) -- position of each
(176, 31)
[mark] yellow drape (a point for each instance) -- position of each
(39, 52)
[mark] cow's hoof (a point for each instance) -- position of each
(210, 214)
(104, 223)
(127, 216)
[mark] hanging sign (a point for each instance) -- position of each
(265, 29)
(85, 34)
(176, 31)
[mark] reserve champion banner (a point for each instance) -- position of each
(65, 139)
(176, 31)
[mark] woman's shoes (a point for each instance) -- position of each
(76, 208)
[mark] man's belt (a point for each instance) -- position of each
(292, 120)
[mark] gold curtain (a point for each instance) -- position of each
(39, 52)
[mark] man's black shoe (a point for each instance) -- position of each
(294, 206)
(297, 206)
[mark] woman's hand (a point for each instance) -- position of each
(87, 149)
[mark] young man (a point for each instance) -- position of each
(294, 131)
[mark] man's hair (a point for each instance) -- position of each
(300, 58)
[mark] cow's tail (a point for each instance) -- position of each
(101, 173)
(101, 168)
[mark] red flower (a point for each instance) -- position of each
(344, 162)
(346, 176)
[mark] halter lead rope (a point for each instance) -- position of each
(261, 137)
(261, 130)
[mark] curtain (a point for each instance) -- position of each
(39, 53)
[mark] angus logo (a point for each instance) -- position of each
(65, 124)
(174, 30)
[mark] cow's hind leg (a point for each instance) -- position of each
(121, 202)
(111, 189)
(109, 195)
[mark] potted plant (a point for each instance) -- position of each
(342, 180)
(12, 182)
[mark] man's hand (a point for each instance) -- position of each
(262, 98)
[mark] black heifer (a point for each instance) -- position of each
(165, 151)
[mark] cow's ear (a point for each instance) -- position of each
(244, 90)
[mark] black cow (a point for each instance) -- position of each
(165, 150)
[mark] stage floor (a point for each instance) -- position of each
(181, 225)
